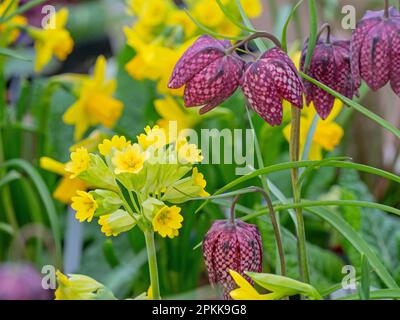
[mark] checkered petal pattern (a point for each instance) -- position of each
(375, 50)
(268, 81)
(231, 246)
(330, 65)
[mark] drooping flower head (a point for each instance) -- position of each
(209, 73)
(375, 50)
(330, 65)
(269, 80)
(236, 246)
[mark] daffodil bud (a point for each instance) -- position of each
(231, 245)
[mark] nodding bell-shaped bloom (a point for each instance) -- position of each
(375, 50)
(269, 80)
(330, 65)
(209, 72)
(231, 246)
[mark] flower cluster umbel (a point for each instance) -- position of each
(136, 183)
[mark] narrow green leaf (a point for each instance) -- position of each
(233, 19)
(312, 40)
(13, 54)
(377, 294)
(357, 242)
(382, 122)
(286, 25)
(6, 228)
(364, 287)
(109, 253)
(9, 177)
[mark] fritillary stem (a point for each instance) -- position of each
(386, 8)
(277, 233)
(152, 260)
(294, 156)
(253, 36)
(326, 26)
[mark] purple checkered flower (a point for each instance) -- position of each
(375, 50)
(210, 73)
(330, 65)
(269, 80)
(235, 246)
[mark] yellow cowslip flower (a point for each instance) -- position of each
(52, 40)
(188, 152)
(76, 287)
(208, 13)
(84, 205)
(9, 31)
(95, 104)
(328, 133)
(117, 222)
(79, 162)
(169, 110)
(68, 186)
(168, 221)
(130, 160)
(246, 291)
(117, 142)
(199, 180)
(153, 137)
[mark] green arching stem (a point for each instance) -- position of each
(152, 259)
(255, 35)
(326, 26)
(386, 9)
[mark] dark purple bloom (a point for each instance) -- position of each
(235, 246)
(375, 50)
(210, 74)
(269, 80)
(330, 65)
(21, 282)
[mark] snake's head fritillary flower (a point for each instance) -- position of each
(231, 246)
(330, 65)
(21, 282)
(269, 80)
(209, 72)
(375, 50)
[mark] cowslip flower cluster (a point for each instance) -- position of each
(231, 245)
(137, 183)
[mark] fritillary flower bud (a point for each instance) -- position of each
(269, 80)
(330, 65)
(211, 74)
(236, 246)
(375, 50)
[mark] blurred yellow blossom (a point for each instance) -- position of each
(95, 104)
(168, 221)
(67, 187)
(130, 160)
(79, 162)
(116, 142)
(155, 137)
(208, 13)
(253, 8)
(84, 205)
(52, 40)
(9, 30)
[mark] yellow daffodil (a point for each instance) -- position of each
(188, 152)
(54, 39)
(168, 221)
(153, 12)
(84, 205)
(328, 133)
(208, 13)
(79, 162)
(67, 187)
(199, 180)
(115, 223)
(95, 104)
(9, 30)
(76, 287)
(116, 142)
(253, 8)
(155, 137)
(180, 18)
(246, 291)
(130, 160)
